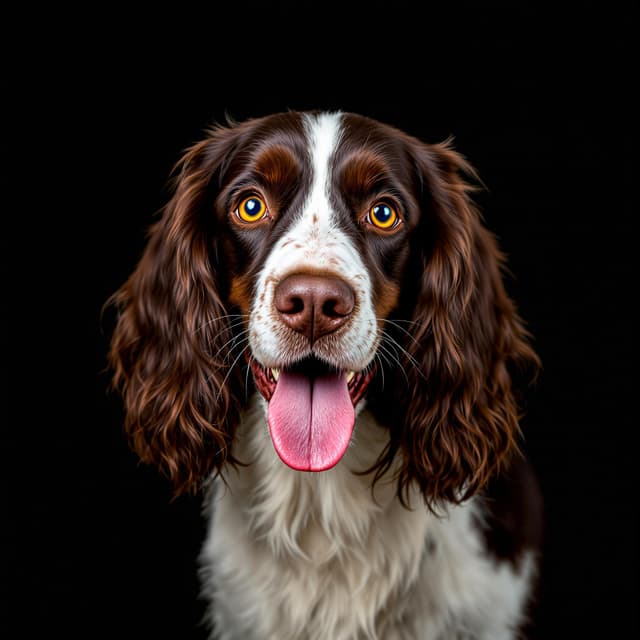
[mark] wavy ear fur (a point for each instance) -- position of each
(461, 421)
(166, 350)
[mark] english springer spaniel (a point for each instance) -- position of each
(319, 335)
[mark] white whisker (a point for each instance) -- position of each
(246, 378)
(217, 318)
(233, 364)
(394, 343)
(397, 326)
(400, 320)
(377, 356)
(394, 356)
(233, 339)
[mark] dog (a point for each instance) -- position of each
(318, 337)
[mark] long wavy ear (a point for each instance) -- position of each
(461, 421)
(167, 348)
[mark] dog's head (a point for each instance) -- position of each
(338, 259)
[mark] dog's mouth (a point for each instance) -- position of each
(311, 410)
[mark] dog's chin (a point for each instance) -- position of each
(311, 410)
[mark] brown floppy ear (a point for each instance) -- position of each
(167, 348)
(461, 421)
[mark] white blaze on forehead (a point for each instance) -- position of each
(324, 133)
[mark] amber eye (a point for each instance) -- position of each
(252, 209)
(383, 216)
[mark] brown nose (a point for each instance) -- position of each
(314, 305)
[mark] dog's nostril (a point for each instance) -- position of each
(334, 309)
(296, 305)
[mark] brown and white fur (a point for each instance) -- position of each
(429, 525)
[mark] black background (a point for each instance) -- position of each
(538, 101)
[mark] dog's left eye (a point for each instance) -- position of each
(252, 209)
(383, 216)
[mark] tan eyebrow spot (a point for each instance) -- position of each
(387, 299)
(241, 293)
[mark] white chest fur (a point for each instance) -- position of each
(293, 555)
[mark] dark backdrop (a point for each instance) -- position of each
(538, 101)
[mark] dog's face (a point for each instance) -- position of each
(327, 252)
(317, 215)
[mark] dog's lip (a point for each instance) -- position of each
(266, 379)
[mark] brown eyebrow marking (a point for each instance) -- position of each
(362, 172)
(276, 165)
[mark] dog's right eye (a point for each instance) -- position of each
(383, 216)
(252, 209)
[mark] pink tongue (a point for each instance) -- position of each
(311, 421)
